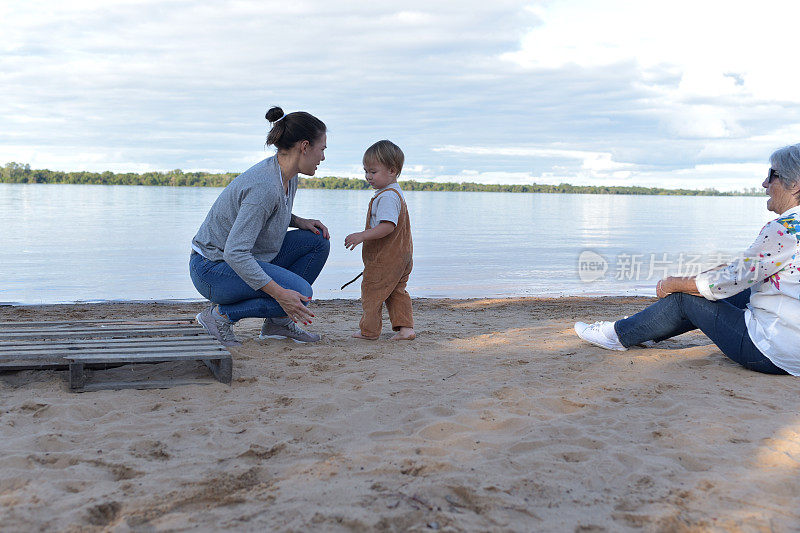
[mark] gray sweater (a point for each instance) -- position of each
(248, 222)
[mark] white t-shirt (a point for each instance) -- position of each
(386, 207)
(770, 268)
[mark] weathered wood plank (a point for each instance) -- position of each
(99, 350)
(187, 319)
(103, 326)
(33, 364)
(45, 364)
(77, 377)
(61, 357)
(102, 329)
(138, 341)
(143, 385)
(221, 368)
(141, 332)
(147, 357)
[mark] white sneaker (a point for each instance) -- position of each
(600, 334)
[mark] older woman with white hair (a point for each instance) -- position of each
(750, 307)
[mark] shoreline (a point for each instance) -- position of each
(182, 301)
(332, 183)
(497, 417)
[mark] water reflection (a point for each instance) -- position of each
(86, 242)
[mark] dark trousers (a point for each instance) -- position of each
(722, 321)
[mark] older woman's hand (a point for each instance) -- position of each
(661, 291)
(671, 284)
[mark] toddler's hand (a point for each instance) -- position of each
(353, 240)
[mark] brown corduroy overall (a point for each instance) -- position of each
(387, 264)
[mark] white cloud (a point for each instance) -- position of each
(594, 168)
(704, 63)
(591, 160)
(701, 122)
(575, 91)
(592, 165)
(703, 42)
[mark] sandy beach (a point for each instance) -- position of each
(497, 418)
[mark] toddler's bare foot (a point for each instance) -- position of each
(404, 334)
(358, 335)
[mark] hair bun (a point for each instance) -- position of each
(288, 130)
(274, 113)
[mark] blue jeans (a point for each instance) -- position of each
(722, 321)
(298, 263)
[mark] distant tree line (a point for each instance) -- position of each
(18, 173)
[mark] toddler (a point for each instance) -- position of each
(387, 247)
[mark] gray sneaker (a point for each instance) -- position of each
(289, 330)
(217, 326)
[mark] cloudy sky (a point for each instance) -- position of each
(674, 94)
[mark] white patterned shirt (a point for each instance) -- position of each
(770, 268)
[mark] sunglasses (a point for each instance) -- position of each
(772, 175)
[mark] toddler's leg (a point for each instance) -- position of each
(400, 313)
(373, 294)
(370, 324)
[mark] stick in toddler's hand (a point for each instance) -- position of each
(351, 281)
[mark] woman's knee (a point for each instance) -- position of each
(322, 245)
(676, 297)
(304, 288)
(681, 300)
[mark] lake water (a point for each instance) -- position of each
(67, 243)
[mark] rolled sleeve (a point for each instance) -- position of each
(772, 251)
(702, 282)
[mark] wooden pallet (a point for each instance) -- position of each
(79, 345)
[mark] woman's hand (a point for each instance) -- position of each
(311, 224)
(292, 302)
(661, 291)
(671, 284)
(353, 240)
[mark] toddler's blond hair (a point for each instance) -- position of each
(387, 154)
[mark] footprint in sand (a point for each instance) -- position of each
(695, 363)
(385, 434)
(509, 393)
(104, 513)
(150, 449)
(442, 430)
(284, 401)
(693, 464)
(528, 446)
(561, 405)
(574, 457)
